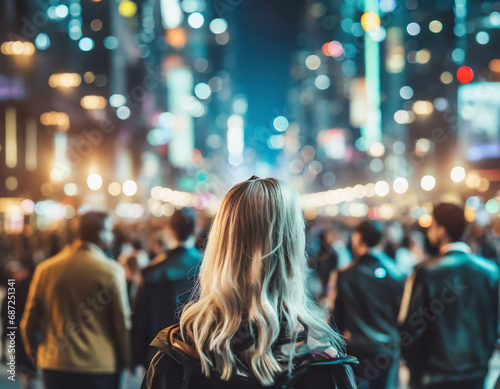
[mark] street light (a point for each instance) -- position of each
(458, 174)
(94, 181)
(428, 182)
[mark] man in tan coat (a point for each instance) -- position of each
(78, 302)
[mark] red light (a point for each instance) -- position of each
(324, 49)
(332, 49)
(465, 74)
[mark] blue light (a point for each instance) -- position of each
(346, 25)
(42, 41)
(196, 20)
(159, 136)
(357, 29)
(86, 44)
(51, 12)
(350, 50)
(110, 42)
(360, 143)
(459, 30)
(380, 272)
(276, 142)
(406, 92)
(473, 202)
(75, 22)
(218, 26)
(349, 68)
(123, 112)
(458, 55)
(387, 5)
(75, 33)
(495, 19)
(482, 37)
(75, 9)
(413, 29)
(378, 34)
(322, 82)
(117, 100)
(280, 123)
(202, 91)
(441, 104)
(61, 11)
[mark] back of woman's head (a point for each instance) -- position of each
(254, 267)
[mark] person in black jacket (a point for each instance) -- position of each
(449, 315)
(251, 322)
(166, 284)
(325, 261)
(366, 308)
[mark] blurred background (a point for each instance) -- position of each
(370, 109)
(116, 103)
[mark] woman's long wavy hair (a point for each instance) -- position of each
(255, 267)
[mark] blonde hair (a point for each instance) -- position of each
(254, 264)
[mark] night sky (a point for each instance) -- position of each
(265, 36)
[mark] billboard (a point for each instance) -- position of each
(478, 126)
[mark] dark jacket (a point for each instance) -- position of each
(324, 262)
(367, 304)
(449, 318)
(177, 366)
(166, 286)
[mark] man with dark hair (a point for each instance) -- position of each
(365, 311)
(78, 300)
(450, 218)
(167, 281)
(93, 228)
(449, 314)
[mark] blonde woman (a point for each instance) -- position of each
(251, 322)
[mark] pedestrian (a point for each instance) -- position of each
(252, 323)
(367, 300)
(449, 315)
(325, 260)
(166, 284)
(78, 300)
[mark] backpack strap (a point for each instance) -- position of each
(154, 372)
(163, 342)
(342, 373)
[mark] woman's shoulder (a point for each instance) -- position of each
(177, 362)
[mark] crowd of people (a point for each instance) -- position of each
(92, 296)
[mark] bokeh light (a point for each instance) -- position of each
(94, 181)
(465, 74)
(202, 91)
(218, 26)
(86, 44)
(127, 8)
(382, 188)
(400, 185)
(280, 123)
(322, 82)
(458, 174)
(435, 26)
(129, 188)
(413, 29)
(42, 41)
(406, 92)
(370, 21)
(428, 182)
(313, 62)
(196, 20)
(446, 78)
(482, 37)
